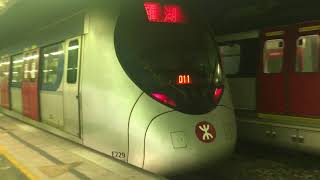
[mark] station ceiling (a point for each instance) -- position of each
(227, 16)
(230, 16)
(19, 17)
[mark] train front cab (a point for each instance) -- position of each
(176, 64)
(287, 89)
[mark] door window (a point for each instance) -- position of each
(30, 69)
(5, 67)
(73, 53)
(307, 53)
(17, 70)
(230, 56)
(240, 58)
(52, 66)
(273, 56)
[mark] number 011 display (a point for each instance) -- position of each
(184, 79)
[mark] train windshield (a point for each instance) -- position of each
(169, 55)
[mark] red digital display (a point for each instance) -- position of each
(164, 14)
(184, 79)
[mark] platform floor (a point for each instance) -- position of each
(252, 161)
(30, 153)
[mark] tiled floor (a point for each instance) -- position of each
(41, 155)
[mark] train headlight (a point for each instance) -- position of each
(218, 84)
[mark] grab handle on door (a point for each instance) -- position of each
(301, 139)
(268, 133)
(294, 138)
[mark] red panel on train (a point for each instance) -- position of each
(4, 88)
(304, 74)
(29, 87)
(294, 90)
(271, 95)
(4, 82)
(30, 100)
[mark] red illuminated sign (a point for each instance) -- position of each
(184, 79)
(165, 14)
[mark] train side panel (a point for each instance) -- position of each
(107, 93)
(57, 31)
(139, 122)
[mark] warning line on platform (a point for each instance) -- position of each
(16, 164)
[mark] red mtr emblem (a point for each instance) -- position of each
(205, 132)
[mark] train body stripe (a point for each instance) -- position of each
(286, 118)
(274, 33)
(309, 28)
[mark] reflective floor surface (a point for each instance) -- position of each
(30, 153)
(9, 171)
(261, 162)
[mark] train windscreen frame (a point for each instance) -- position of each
(158, 55)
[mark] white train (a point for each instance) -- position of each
(138, 81)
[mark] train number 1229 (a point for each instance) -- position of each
(120, 155)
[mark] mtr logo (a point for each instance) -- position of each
(205, 132)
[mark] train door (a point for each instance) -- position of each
(51, 92)
(271, 78)
(29, 86)
(15, 82)
(71, 87)
(4, 82)
(304, 73)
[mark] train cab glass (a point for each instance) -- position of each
(170, 55)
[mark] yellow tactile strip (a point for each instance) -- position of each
(17, 165)
(59, 164)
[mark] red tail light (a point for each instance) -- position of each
(217, 94)
(164, 98)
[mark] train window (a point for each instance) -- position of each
(307, 53)
(230, 58)
(30, 66)
(73, 53)
(273, 56)
(52, 66)
(17, 70)
(5, 68)
(239, 58)
(173, 63)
